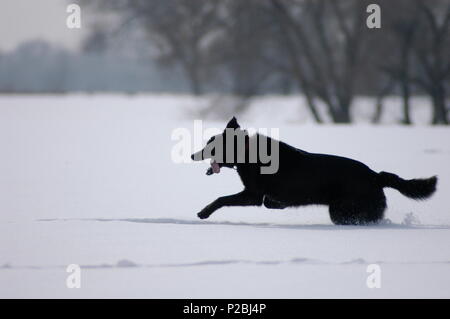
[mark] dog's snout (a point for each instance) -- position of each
(198, 156)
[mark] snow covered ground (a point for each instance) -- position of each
(89, 180)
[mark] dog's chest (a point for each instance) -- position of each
(251, 177)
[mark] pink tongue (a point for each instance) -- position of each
(215, 167)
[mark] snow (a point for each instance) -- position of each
(89, 180)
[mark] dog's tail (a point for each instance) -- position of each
(419, 189)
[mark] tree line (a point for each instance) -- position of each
(320, 48)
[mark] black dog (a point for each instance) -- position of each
(353, 192)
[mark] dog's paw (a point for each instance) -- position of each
(207, 211)
(203, 214)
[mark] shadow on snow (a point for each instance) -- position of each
(174, 221)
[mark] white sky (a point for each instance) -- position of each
(22, 20)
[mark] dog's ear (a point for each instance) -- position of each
(233, 123)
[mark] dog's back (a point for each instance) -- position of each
(309, 178)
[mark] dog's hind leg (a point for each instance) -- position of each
(273, 204)
(343, 214)
(358, 212)
(244, 198)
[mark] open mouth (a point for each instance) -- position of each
(215, 167)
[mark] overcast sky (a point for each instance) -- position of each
(22, 20)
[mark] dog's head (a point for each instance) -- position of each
(225, 149)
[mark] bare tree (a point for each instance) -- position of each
(401, 21)
(239, 50)
(325, 41)
(182, 30)
(432, 55)
(289, 41)
(385, 89)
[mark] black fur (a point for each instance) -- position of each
(353, 192)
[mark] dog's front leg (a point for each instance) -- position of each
(244, 198)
